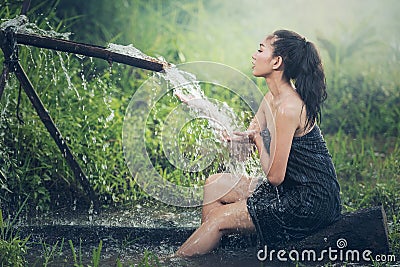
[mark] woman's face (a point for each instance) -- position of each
(263, 59)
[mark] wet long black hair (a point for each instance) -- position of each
(302, 64)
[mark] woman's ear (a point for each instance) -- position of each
(278, 62)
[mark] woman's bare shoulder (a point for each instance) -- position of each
(291, 105)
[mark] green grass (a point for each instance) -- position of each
(369, 177)
(12, 248)
(360, 118)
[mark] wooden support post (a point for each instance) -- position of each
(25, 7)
(55, 134)
(9, 47)
(9, 39)
(3, 79)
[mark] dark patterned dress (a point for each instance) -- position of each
(307, 200)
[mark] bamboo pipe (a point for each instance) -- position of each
(88, 50)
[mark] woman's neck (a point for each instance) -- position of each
(278, 86)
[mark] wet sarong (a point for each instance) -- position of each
(307, 200)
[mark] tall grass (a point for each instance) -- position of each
(87, 106)
(12, 248)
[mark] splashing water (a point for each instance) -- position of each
(130, 50)
(186, 87)
(71, 86)
(221, 118)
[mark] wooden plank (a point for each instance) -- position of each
(362, 230)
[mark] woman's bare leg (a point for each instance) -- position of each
(223, 219)
(224, 188)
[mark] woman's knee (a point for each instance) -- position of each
(225, 188)
(217, 186)
(215, 177)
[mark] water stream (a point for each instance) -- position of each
(186, 87)
(222, 120)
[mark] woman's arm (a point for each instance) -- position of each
(259, 121)
(258, 124)
(262, 152)
(286, 123)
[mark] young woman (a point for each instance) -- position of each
(300, 192)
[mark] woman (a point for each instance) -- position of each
(300, 192)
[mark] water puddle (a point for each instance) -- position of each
(149, 233)
(150, 214)
(131, 255)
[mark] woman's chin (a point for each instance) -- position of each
(256, 74)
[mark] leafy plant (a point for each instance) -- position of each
(50, 252)
(12, 248)
(97, 254)
(149, 259)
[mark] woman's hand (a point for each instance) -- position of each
(243, 137)
(241, 144)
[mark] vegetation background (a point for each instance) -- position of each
(359, 43)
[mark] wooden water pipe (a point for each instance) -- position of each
(10, 38)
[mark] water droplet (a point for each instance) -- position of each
(84, 159)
